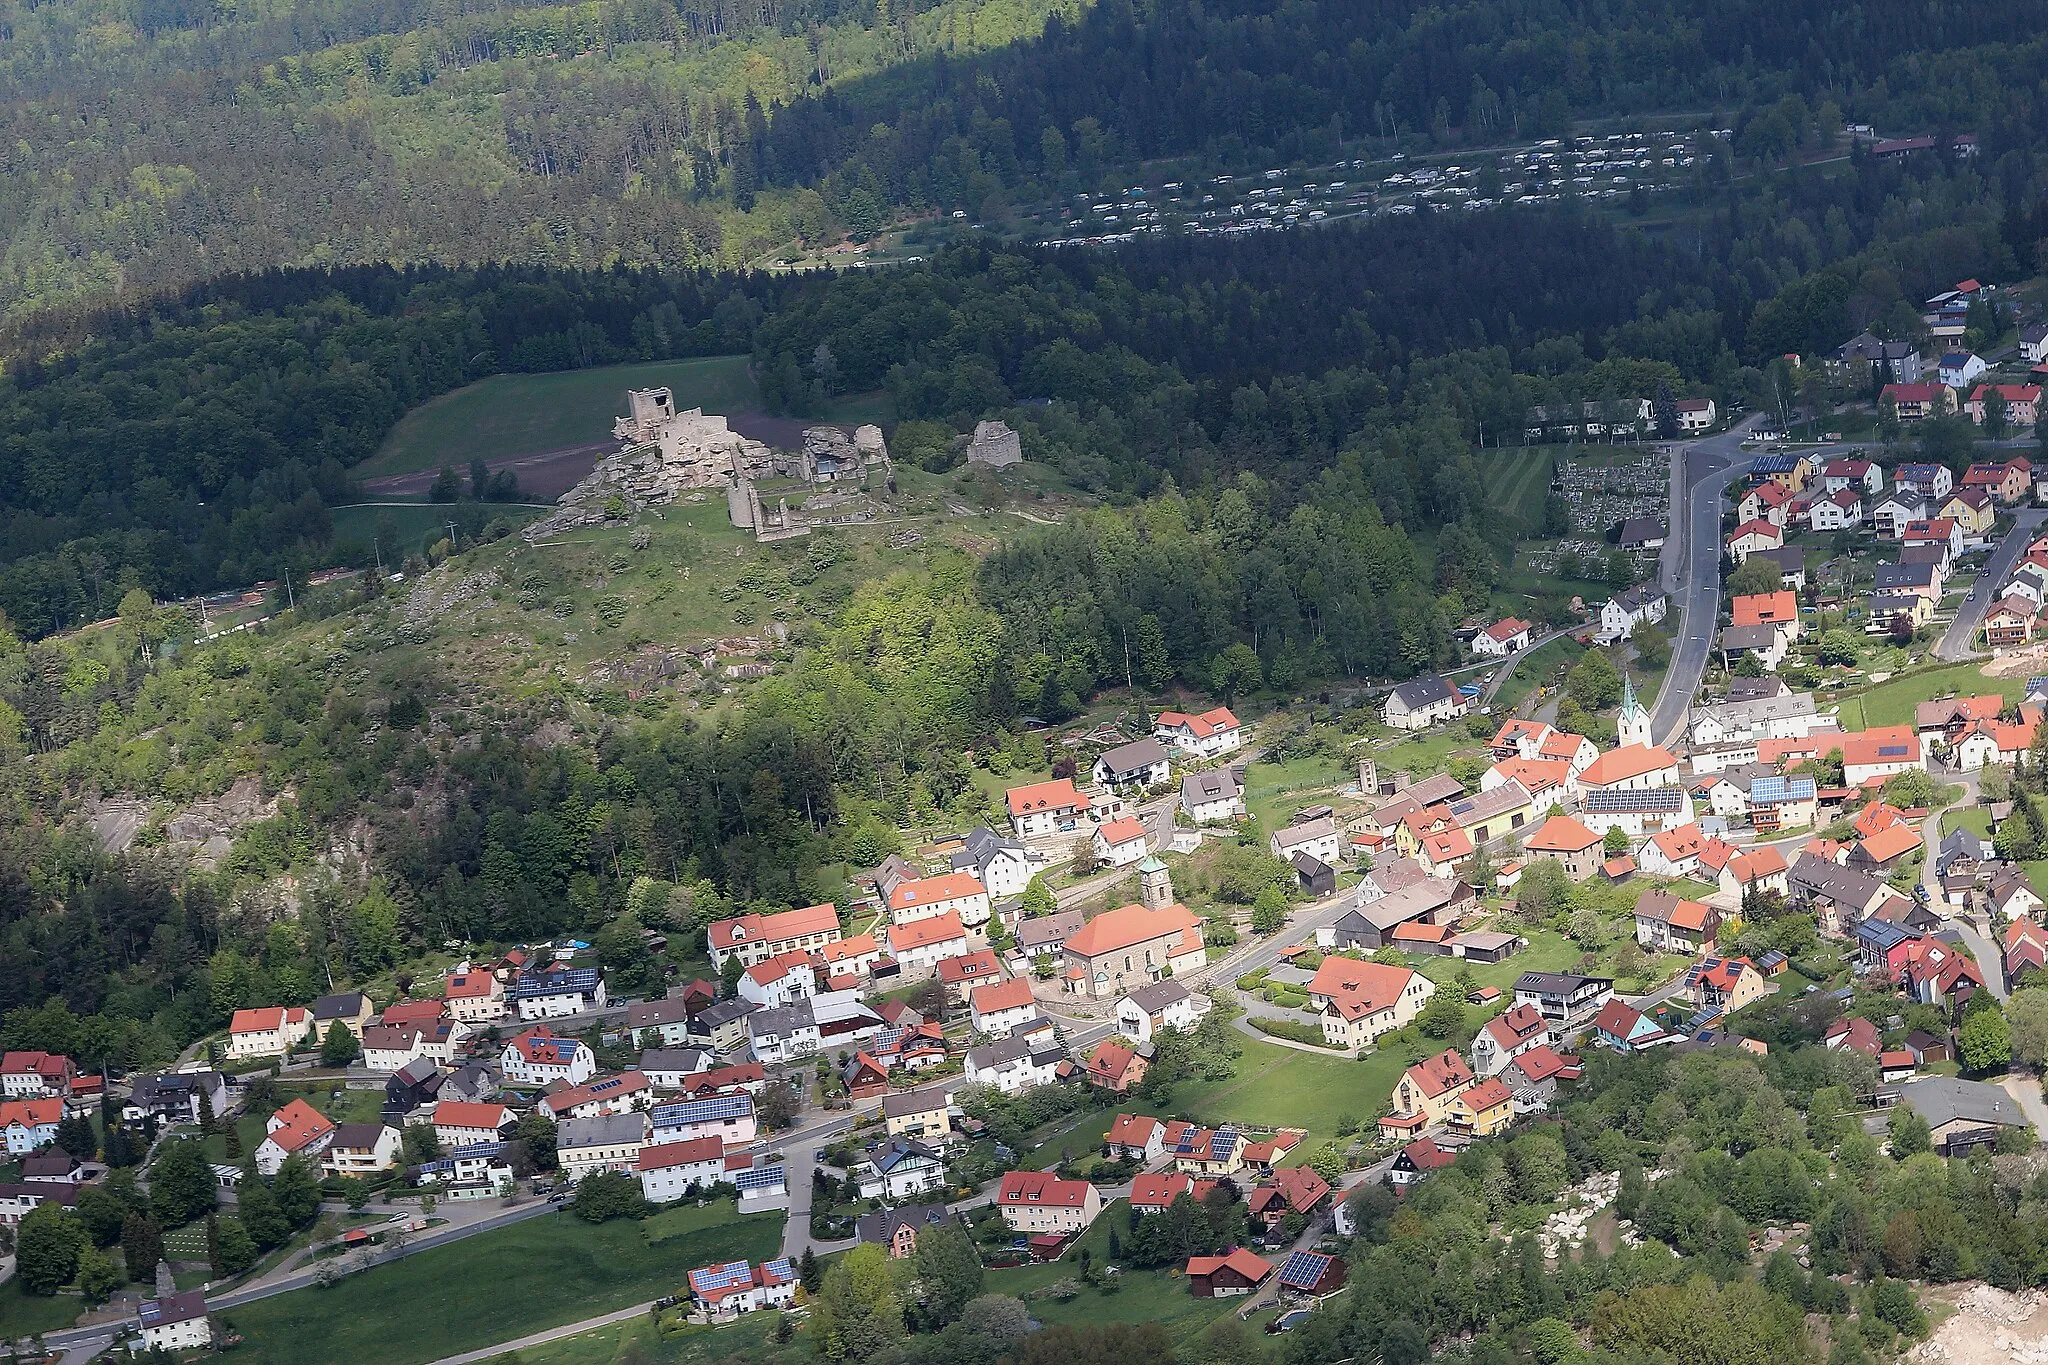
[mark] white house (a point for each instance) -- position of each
(921, 945)
(30, 1124)
(899, 1168)
(474, 996)
(1841, 510)
(1960, 369)
(1004, 866)
(268, 1032)
(361, 1149)
(724, 1291)
(1753, 536)
(1502, 638)
(729, 1118)
(1045, 810)
(1319, 838)
(298, 1129)
(670, 1170)
(1000, 1006)
(1015, 1064)
(606, 1143)
(1120, 842)
(557, 991)
(176, 1324)
(1894, 513)
(783, 1034)
(960, 894)
(463, 1123)
(1622, 613)
(1163, 1004)
(620, 1094)
(781, 980)
(1142, 763)
(537, 1057)
(1695, 415)
(1212, 797)
(1421, 702)
(1037, 1202)
(1211, 734)
(754, 937)
(388, 1047)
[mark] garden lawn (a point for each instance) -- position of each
(1976, 819)
(1281, 1087)
(493, 1287)
(1892, 702)
(1159, 1296)
(1079, 1134)
(1274, 791)
(1424, 754)
(521, 414)
(637, 1342)
(23, 1314)
(1520, 480)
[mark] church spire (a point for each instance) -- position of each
(1633, 725)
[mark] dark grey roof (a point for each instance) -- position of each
(1057, 927)
(782, 1020)
(1944, 1099)
(724, 1012)
(347, 1005)
(1753, 689)
(1557, 983)
(1892, 577)
(1158, 995)
(1748, 637)
(1636, 530)
(654, 1013)
(1017, 1046)
(887, 1156)
(979, 848)
(603, 1130)
(1817, 876)
(358, 1137)
(882, 1226)
(1215, 785)
(1409, 903)
(1417, 693)
(1129, 758)
(901, 1103)
(687, 1060)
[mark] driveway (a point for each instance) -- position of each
(1959, 640)
(1698, 592)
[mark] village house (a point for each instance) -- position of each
(350, 1009)
(459, 1123)
(896, 1230)
(1362, 1001)
(754, 938)
(1695, 415)
(537, 1057)
(1141, 764)
(724, 1291)
(1045, 810)
(1752, 536)
(1036, 1203)
(557, 991)
(1135, 1137)
(298, 1129)
(671, 1170)
(1114, 1068)
(35, 1075)
(1623, 1028)
(1162, 1004)
(1878, 752)
(720, 1027)
(360, 1149)
(607, 1143)
(2022, 403)
(1915, 402)
(730, 1118)
(1002, 865)
(920, 1114)
(272, 1032)
(1422, 1095)
(1505, 1037)
(1318, 838)
(1623, 612)
(1481, 1110)
(1565, 999)
(1421, 702)
(1667, 924)
(1000, 1006)
(1234, 1273)
(959, 894)
(1017, 1063)
(1502, 638)
(1120, 842)
(176, 1324)
(1765, 502)
(624, 1093)
(176, 1097)
(920, 945)
(1211, 734)
(1723, 985)
(1212, 797)
(30, 1124)
(783, 1034)
(474, 997)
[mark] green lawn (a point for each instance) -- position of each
(1274, 791)
(489, 1288)
(1892, 702)
(637, 1342)
(1520, 480)
(1973, 818)
(1077, 1134)
(518, 414)
(24, 1315)
(1159, 1296)
(1279, 1086)
(1425, 753)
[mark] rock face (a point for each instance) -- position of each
(830, 455)
(667, 454)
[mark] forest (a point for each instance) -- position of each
(193, 441)
(204, 139)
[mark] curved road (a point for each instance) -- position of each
(1959, 641)
(1698, 592)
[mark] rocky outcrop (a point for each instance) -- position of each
(680, 454)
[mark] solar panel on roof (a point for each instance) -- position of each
(713, 1279)
(1303, 1267)
(699, 1111)
(760, 1178)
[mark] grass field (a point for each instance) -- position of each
(453, 1298)
(1159, 1296)
(518, 414)
(1892, 702)
(637, 1342)
(24, 1315)
(1520, 479)
(1976, 819)
(404, 527)
(1279, 1086)
(1274, 791)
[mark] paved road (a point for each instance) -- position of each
(1698, 595)
(1507, 670)
(1990, 964)
(552, 1334)
(1960, 639)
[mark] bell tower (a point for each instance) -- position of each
(1155, 884)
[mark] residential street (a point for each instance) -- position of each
(1697, 596)
(1959, 640)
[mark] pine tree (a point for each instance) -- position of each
(233, 1134)
(808, 1272)
(207, 1117)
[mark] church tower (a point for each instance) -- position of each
(1633, 725)
(1155, 884)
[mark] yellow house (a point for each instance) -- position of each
(920, 1114)
(1423, 1095)
(1481, 1110)
(1972, 509)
